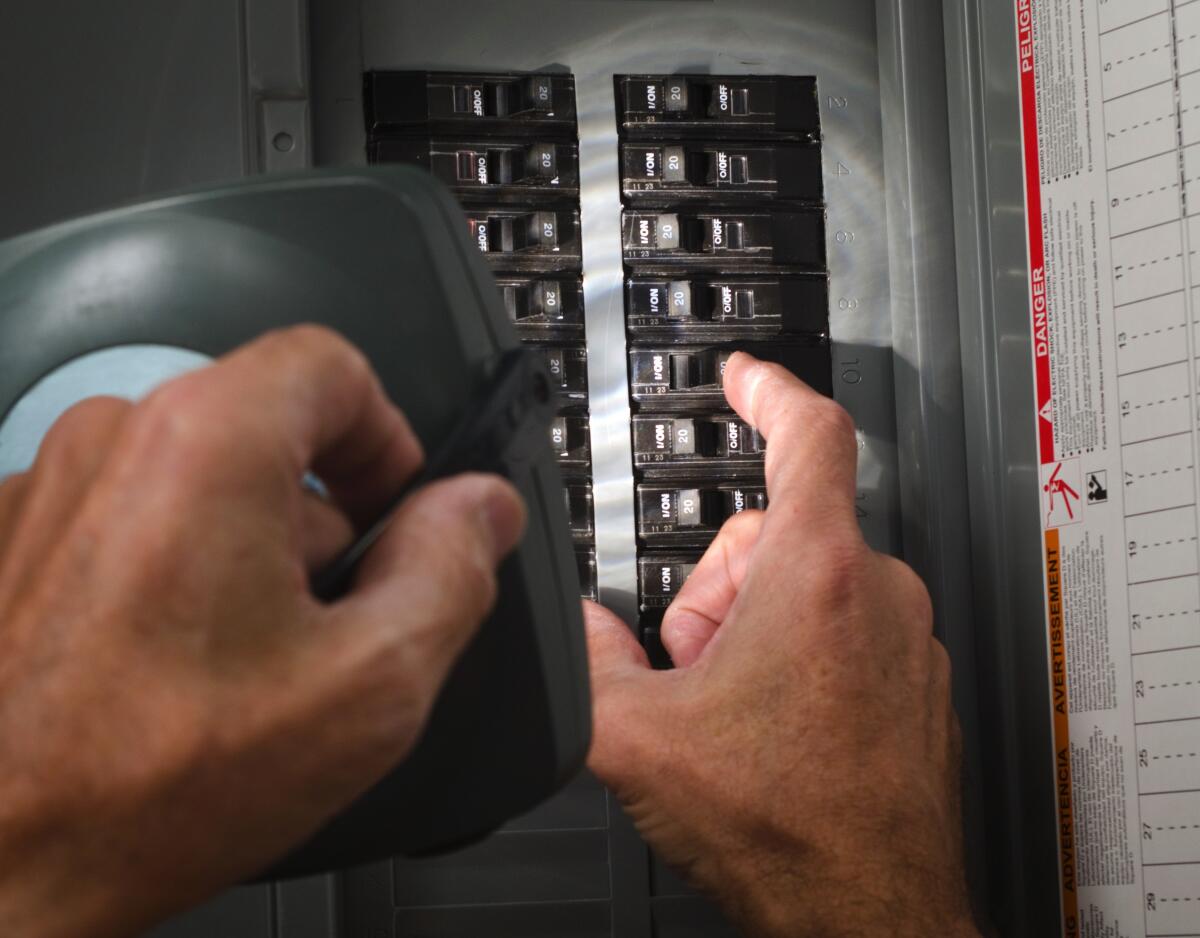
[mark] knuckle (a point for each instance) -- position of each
(323, 335)
(326, 352)
(87, 413)
(310, 340)
(170, 418)
(910, 591)
(74, 437)
(843, 569)
(305, 336)
(939, 663)
(919, 602)
(173, 439)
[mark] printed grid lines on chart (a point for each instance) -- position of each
(1150, 66)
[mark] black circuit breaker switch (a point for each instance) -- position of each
(504, 170)
(720, 442)
(568, 372)
(586, 562)
(571, 443)
(661, 576)
(454, 102)
(684, 513)
(656, 233)
(691, 376)
(731, 172)
(512, 238)
(670, 372)
(734, 240)
(727, 306)
(650, 233)
(543, 308)
(580, 517)
(651, 166)
(718, 106)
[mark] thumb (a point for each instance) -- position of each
(427, 584)
(624, 692)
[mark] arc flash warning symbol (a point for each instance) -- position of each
(1061, 485)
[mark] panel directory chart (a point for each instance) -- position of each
(1111, 114)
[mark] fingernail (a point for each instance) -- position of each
(504, 517)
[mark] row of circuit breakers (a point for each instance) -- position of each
(724, 249)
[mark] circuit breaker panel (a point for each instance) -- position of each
(723, 243)
(722, 231)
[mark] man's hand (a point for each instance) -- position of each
(801, 763)
(176, 709)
